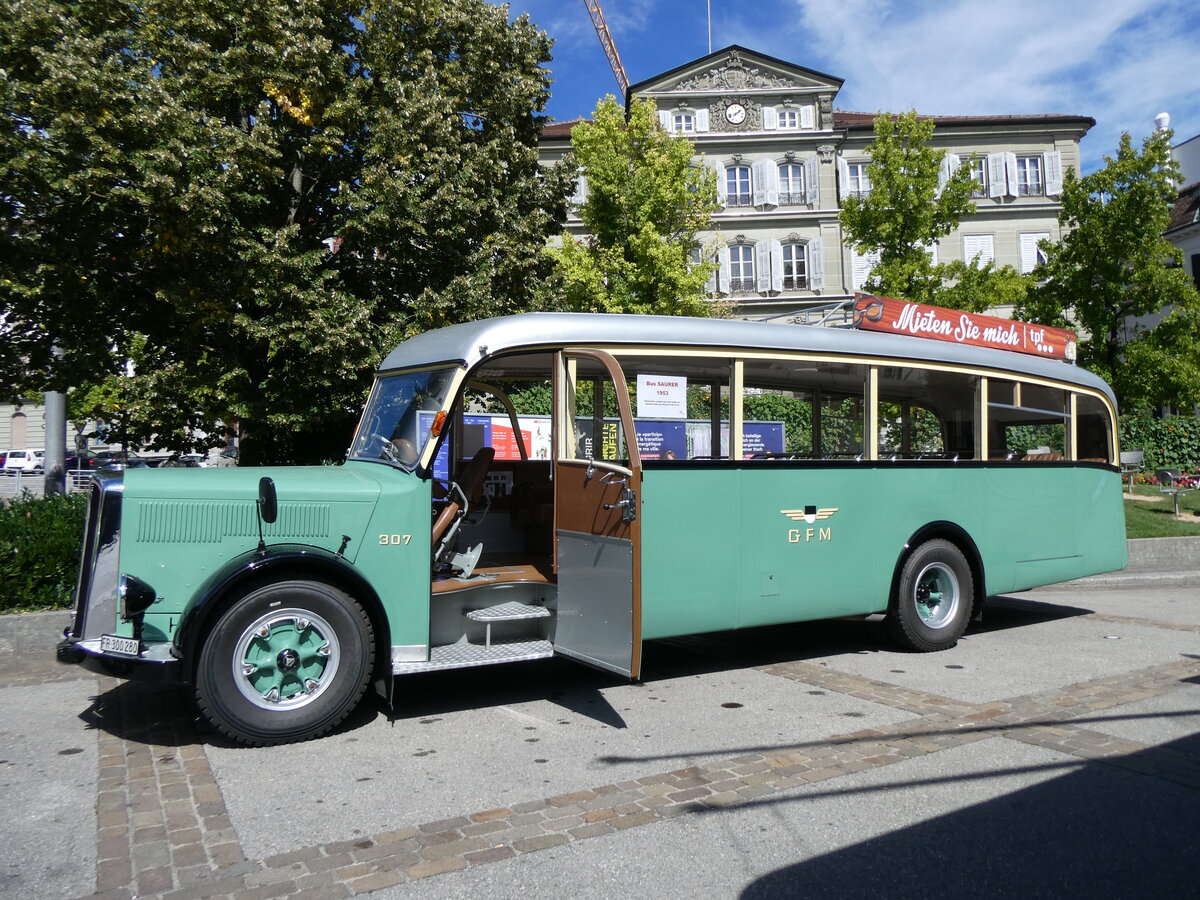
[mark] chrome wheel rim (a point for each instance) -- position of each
(285, 659)
(937, 595)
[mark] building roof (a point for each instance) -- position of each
(721, 55)
(861, 121)
(1186, 209)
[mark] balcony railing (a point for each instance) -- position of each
(792, 198)
(741, 285)
(739, 200)
(1031, 190)
(795, 283)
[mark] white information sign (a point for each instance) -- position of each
(661, 397)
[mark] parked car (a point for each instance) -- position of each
(100, 458)
(181, 461)
(24, 461)
(120, 465)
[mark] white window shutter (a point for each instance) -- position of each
(807, 119)
(816, 265)
(843, 178)
(1029, 249)
(702, 120)
(978, 249)
(717, 166)
(931, 250)
(1028, 252)
(579, 195)
(1054, 173)
(776, 266)
(950, 164)
(710, 286)
(758, 178)
(665, 120)
(1010, 171)
(762, 266)
(770, 118)
(995, 167)
(863, 264)
(812, 181)
(723, 270)
(766, 182)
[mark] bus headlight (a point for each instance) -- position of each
(135, 596)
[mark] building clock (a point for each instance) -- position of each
(735, 114)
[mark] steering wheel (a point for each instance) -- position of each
(400, 450)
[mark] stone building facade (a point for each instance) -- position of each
(785, 156)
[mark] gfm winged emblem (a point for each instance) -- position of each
(809, 514)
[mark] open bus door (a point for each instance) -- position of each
(597, 532)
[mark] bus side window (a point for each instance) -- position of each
(1093, 430)
(926, 413)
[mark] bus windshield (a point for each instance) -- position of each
(400, 414)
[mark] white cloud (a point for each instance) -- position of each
(1119, 61)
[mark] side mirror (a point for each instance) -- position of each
(268, 505)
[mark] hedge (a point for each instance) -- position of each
(1172, 443)
(39, 551)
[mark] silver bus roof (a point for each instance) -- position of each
(471, 342)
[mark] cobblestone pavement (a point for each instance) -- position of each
(163, 828)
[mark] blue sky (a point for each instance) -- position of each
(1119, 61)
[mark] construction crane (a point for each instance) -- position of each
(606, 41)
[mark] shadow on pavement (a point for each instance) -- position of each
(1101, 831)
(163, 713)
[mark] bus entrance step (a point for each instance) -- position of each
(464, 655)
(505, 612)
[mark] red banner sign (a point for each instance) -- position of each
(885, 314)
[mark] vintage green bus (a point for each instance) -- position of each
(574, 484)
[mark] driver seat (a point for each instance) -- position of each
(460, 500)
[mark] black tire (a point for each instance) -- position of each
(286, 662)
(934, 597)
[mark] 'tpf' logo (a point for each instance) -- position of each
(809, 514)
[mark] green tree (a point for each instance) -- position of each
(646, 202)
(915, 200)
(1113, 267)
(257, 200)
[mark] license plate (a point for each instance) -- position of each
(110, 643)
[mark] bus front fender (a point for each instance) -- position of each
(254, 568)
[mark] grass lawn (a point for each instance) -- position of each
(1148, 518)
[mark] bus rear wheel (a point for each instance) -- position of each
(286, 662)
(933, 599)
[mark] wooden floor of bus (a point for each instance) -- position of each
(499, 570)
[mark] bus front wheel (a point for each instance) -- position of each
(286, 662)
(933, 599)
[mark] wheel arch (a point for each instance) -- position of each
(252, 570)
(956, 535)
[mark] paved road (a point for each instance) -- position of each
(1054, 753)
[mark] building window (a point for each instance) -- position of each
(737, 186)
(1031, 254)
(795, 270)
(1029, 176)
(741, 269)
(979, 185)
(684, 122)
(789, 120)
(791, 184)
(857, 182)
(978, 248)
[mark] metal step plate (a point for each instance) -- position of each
(508, 612)
(464, 655)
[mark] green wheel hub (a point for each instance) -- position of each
(938, 595)
(285, 659)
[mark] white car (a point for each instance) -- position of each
(23, 461)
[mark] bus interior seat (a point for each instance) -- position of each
(460, 499)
